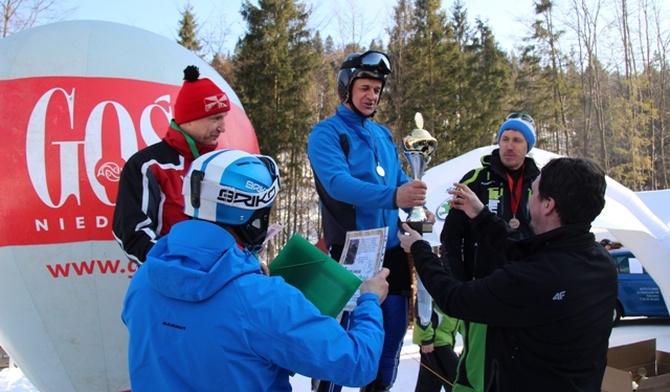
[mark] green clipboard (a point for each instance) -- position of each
(322, 280)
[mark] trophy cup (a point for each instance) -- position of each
(418, 148)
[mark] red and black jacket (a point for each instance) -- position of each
(149, 200)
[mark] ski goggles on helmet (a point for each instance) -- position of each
(520, 116)
(371, 60)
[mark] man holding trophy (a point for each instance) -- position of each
(361, 185)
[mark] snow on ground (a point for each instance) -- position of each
(629, 331)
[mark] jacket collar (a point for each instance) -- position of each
(573, 236)
(176, 140)
(349, 116)
(531, 171)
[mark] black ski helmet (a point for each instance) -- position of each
(371, 64)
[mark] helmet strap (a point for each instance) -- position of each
(252, 234)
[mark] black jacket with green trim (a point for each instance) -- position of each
(466, 255)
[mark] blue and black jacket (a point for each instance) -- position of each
(353, 195)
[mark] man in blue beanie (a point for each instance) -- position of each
(503, 183)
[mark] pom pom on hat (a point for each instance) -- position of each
(198, 98)
(527, 130)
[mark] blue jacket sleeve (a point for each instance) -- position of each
(295, 336)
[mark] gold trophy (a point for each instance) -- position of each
(418, 148)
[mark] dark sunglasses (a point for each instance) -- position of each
(370, 60)
(520, 116)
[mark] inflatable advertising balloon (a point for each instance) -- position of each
(77, 99)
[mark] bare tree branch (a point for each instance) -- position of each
(19, 15)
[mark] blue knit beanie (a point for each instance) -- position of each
(527, 130)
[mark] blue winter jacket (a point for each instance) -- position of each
(202, 317)
(353, 195)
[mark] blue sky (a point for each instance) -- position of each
(372, 17)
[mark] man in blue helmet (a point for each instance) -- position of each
(361, 185)
(203, 317)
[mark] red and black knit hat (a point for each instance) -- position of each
(198, 98)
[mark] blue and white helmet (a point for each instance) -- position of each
(235, 188)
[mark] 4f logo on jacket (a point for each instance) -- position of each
(559, 296)
(216, 102)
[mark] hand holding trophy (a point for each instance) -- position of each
(418, 147)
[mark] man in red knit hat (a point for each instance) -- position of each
(149, 200)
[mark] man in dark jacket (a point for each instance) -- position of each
(549, 307)
(503, 184)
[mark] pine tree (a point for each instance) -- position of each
(431, 59)
(481, 75)
(395, 92)
(274, 70)
(188, 30)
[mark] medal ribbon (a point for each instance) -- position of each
(515, 194)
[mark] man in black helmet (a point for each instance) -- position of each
(361, 185)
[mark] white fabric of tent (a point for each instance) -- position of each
(625, 215)
(658, 202)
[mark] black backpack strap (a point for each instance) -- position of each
(344, 143)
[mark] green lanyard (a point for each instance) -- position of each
(189, 139)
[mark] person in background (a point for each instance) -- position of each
(438, 359)
(503, 183)
(361, 185)
(606, 243)
(149, 200)
(202, 316)
(549, 307)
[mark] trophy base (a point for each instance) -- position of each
(421, 226)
